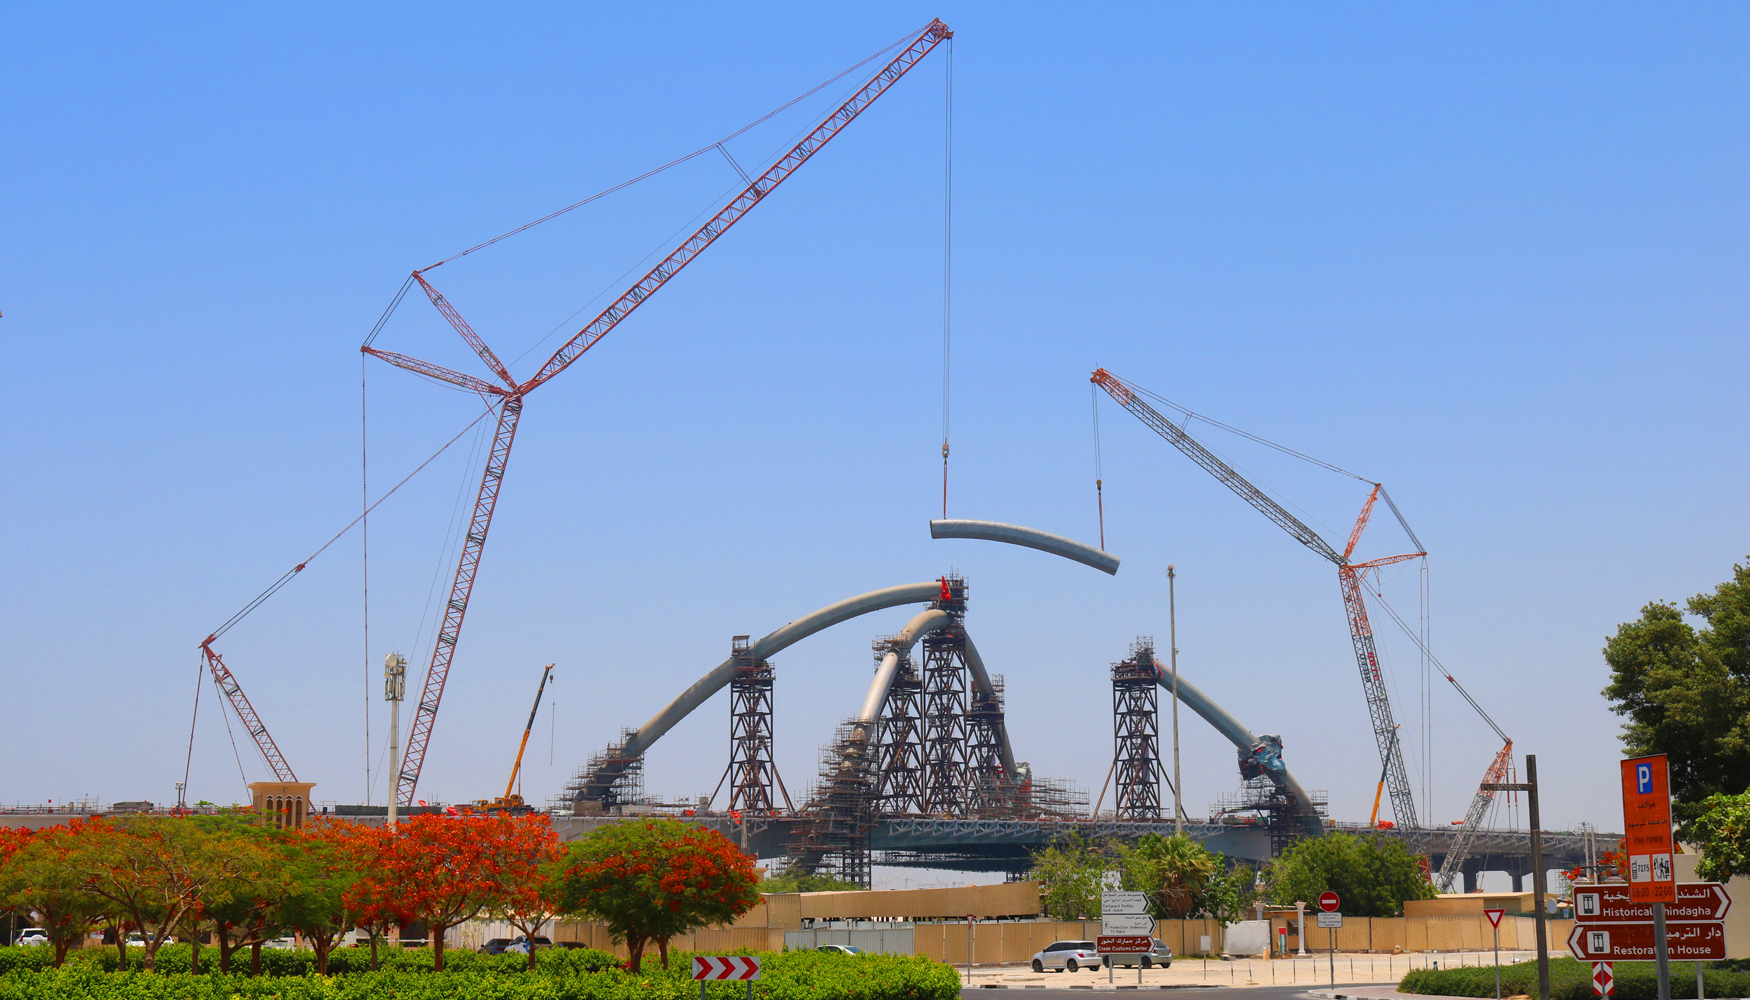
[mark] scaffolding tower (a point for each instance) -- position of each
(842, 806)
(1136, 733)
(613, 778)
(945, 689)
(899, 753)
(989, 794)
(751, 773)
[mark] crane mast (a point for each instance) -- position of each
(512, 392)
(1348, 575)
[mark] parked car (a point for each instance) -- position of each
(520, 944)
(1067, 956)
(495, 946)
(282, 944)
(840, 949)
(1159, 956)
(32, 935)
(134, 940)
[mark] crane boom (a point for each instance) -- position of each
(1473, 820)
(443, 649)
(227, 683)
(515, 769)
(1349, 578)
(1128, 399)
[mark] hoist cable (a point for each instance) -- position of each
(1099, 486)
(188, 761)
(947, 255)
(365, 557)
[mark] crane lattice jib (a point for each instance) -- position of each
(1397, 781)
(1473, 820)
(933, 34)
(1360, 632)
(227, 683)
(1214, 466)
(443, 650)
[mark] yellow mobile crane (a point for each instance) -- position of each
(512, 799)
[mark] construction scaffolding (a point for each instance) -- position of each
(1271, 806)
(751, 773)
(1136, 733)
(945, 701)
(899, 752)
(842, 805)
(989, 793)
(612, 778)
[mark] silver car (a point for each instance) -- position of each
(1159, 957)
(1067, 956)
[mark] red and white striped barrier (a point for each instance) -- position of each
(728, 967)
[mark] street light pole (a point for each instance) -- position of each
(1173, 658)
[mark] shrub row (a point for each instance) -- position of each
(1572, 980)
(560, 975)
(341, 961)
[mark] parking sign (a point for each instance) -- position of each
(1646, 816)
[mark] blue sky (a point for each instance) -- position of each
(1492, 256)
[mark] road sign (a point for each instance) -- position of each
(1117, 901)
(729, 967)
(1329, 902)
(1609, 903)
(1646, 817)
(1124, 944)
(1603, 978)
(1329, 918)
(1687, 940)
(1494, 916)
(1125, 924)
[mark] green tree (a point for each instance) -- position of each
(1175, 871)
(796, 880)
(1228, 897)
(1372, 874)
(1071, 873)
(648, 881)
(1723, 831)
(1685, 692)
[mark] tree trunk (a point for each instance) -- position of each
(531, 939)
(320, 943)
(373, 951)
(223, 932)
(121, 944)
(662, 949)
(194, 952)
(437, 948)
(60, 952)
(150, 960)
(255, 956)
(635, 952)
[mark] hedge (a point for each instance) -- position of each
(1572, 980)
(560, 975)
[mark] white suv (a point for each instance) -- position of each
(32, 935)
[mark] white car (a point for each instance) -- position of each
(32, 935)
(282, 944)
(1067, 956)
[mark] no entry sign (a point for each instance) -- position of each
(1329, 902)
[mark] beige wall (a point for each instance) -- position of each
(1011, 899)
(1470, 932)
(718, 940)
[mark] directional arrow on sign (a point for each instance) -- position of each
(1609, 903)
(1120, 901)
(1695, 940)
(1115, 924)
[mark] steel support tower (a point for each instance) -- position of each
(988, 791)
(1136, 733)
(945, 700)
(899, 753)
(751, 771)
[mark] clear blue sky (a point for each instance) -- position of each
(1493, 256)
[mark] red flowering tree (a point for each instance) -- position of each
(372, 899)
(530, 865)
(38, 878)
(650, 880)
(439, 869)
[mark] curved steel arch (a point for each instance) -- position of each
(1033, 538)
(801, 628)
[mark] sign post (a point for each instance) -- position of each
(707, 968)
(1603, 978)
(1539, 876)
(1646, 816)
(969, 919)
(1125, 929)
(1494, 916)
(1330, 919)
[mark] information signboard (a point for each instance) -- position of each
(1646, 817)
(1685, 940)
(1610, 903)
(1329, 918)
(1123, 944)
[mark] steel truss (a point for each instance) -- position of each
(1136, 733)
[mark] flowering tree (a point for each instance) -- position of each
(321, 865)
(155, 868)
(371, 899)
(530, 864)
(438, 869)
(651, 880)
(38, 879)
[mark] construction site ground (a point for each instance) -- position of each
(1313, 972)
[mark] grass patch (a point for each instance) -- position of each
(1572, 980)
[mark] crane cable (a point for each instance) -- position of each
(1099, 489)
(365, 557)
(947, 254)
